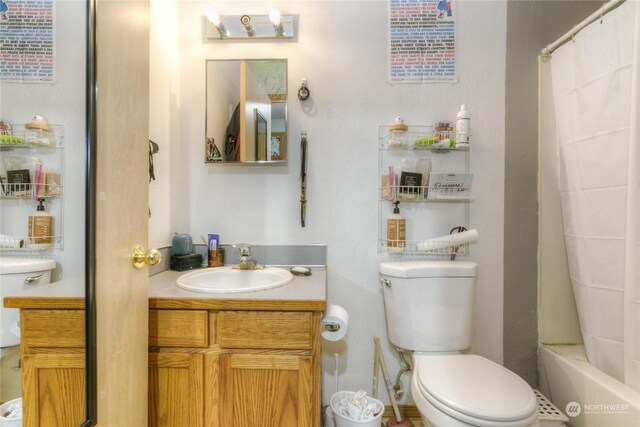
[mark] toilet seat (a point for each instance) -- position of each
(475, 390)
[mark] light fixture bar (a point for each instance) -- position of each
(237, 27)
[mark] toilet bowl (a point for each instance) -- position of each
(468, 390)
(428, 307)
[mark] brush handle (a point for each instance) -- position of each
(376, 365)
(392, 396)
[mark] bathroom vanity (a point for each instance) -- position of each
(243, 359)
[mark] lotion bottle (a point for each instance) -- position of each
(40, 227)
(463, 121)
(396, 231)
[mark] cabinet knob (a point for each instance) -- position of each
(141, 257)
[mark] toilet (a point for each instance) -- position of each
(429, 306)
(17, 276)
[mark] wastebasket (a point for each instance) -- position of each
(11, 413)
(344, 421)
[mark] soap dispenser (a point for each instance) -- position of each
(396, 231)
(40, 227)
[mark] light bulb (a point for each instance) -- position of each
(274, 17)
(214, 17)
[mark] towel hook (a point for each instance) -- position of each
(303, 92)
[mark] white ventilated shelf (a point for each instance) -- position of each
(423, 247)
(24, 245)
(30, 191)
(423, 137)
(419, 194)
(23, 138)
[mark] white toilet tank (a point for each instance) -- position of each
(429, 304)
(17, 275)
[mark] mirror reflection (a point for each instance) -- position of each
(246, 114)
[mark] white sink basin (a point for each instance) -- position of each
(229, 280)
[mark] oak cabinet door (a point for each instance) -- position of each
(54, 389)
(265, 390)
(176, 383)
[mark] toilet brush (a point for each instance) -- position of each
(396, 420)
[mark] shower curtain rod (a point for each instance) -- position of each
(575, 30)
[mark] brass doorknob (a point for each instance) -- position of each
(140, 257)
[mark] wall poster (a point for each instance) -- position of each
(422, 41)
(27, 41)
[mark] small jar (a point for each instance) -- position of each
(398, 133)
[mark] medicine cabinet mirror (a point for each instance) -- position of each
(246, 113)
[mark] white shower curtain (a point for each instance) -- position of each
(596, 88)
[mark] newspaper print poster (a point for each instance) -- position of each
(422, 41)
(27, 41)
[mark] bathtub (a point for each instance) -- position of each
(587, 395)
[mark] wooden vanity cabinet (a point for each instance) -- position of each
(208, 367)
(53, 361)
(234, 368)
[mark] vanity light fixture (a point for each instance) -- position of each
(214, 19)
(232, 27)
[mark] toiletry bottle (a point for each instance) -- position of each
(40, 227)
(463, 121)
(396, 231)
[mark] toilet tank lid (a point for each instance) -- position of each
(12, 265)
(415, 269)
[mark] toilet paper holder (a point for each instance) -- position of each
(335, 323)
(330, 326)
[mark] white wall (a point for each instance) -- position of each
(164, 58)
(346, 67)
(61, 102)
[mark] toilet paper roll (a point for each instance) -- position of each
(335, 316)
(450, 240)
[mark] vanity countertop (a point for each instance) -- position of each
(303, 293)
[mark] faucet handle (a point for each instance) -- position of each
(244, 248)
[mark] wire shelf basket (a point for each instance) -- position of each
(423, 247)
(419, 194)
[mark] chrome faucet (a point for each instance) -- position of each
(246, 261)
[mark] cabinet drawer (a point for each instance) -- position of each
(52, 328)
(264, 330)
(178, 328)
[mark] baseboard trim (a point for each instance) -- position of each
(409, 411)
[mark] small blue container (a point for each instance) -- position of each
(182, 244)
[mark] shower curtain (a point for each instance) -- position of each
(596, 88)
